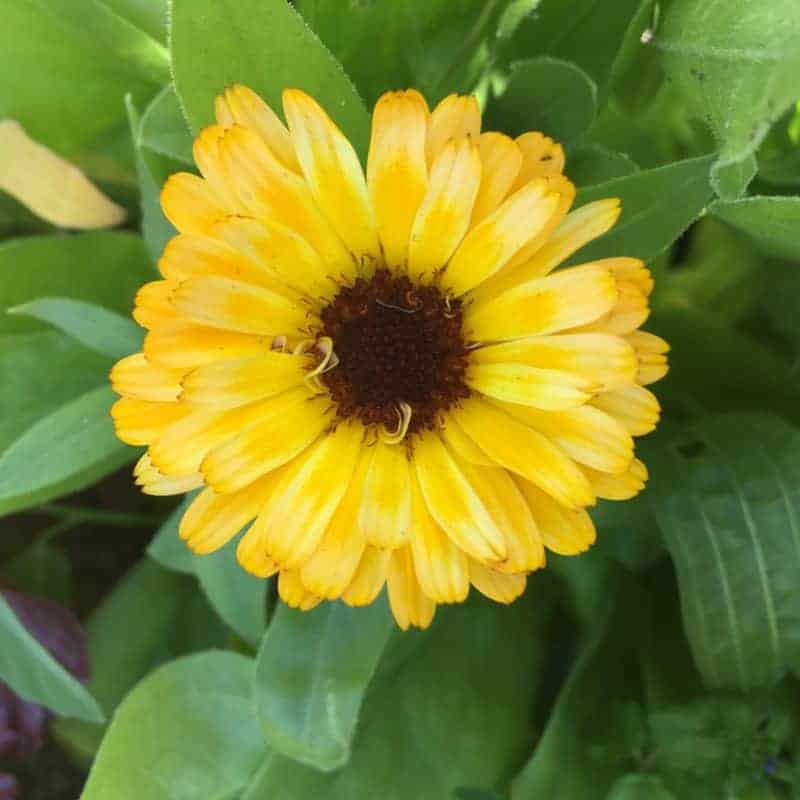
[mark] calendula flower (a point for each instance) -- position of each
(386, 377)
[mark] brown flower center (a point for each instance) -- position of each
(397, 343)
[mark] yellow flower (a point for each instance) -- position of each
(385, 377)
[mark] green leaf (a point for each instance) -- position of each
(438, 47)
(592, 164)
(265, 45)
(548, 95)
(590, 743)
(239, 598)
(73, 63)
(448, 707)
(35, 675)
(772, 222)
(640, 787)
(105, 268)
(149, 16)
(163, 127)
(66, 450)
(187, 731)
(735, 64)
(99, 329)
(658, 205)
(596, 35)
(311, 675)
(730, 179)
(726, 494)
(150, 605)
(151, 172)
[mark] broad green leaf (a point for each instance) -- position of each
(547, 95)
(41, 569)
(66, 450)
(239, 598)
(152, 171)
(186, 732)
(150, 605)
(772, 222)
(72, 65)
(163, 127)
(312, 672)
(265, 45)
(448, 707)
(105, 268)
(95, 327)
(149, 16)
(35, 675)
(476, 794)
(726, 494)
(658, 205)
(438, 47)
(592, 744)
(594, 34)
(730, 179)
(640, 786)
(735, 64)
(592, 164)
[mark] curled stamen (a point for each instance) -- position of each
(280, 343)
(328, 361)
(404, 412)
(398, 308)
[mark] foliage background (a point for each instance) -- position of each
(661, 665)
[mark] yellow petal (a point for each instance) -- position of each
(455, 117)
(629, 312)
(272, 192)
(139, 422)
(524, 451)
(651, 351)
(231, 305)
(565, 531)
(487, 247)
(631, 270)
(308, 495)
(135, 376)
(288, 423)
(331, 569)
(49, 186)
(181, 448)
(331, 167)
(512, 516)
(410, 605)
(454, 502)
(153, 482)
(279, 253)
(234, 382)
(293, 593)
(190, 204)
(501, 160)
(441, 568)
(622, 486)
(541, 157)
(520, 383)
(634, 407)
(577, 229)
(369, 577)
(183, 344)
(587, 435)
(187, 256)
(251, 552)
(444, 216)
(385, 513)
(241, 106)
(153, 305)
(462, 445)
(212, 519)
(563, 300)
(495, 585)
(207, 156)
(397, 173)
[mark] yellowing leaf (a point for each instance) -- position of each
(51, 187)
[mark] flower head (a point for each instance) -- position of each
(385, 376)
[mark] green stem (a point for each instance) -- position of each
(121, 519)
